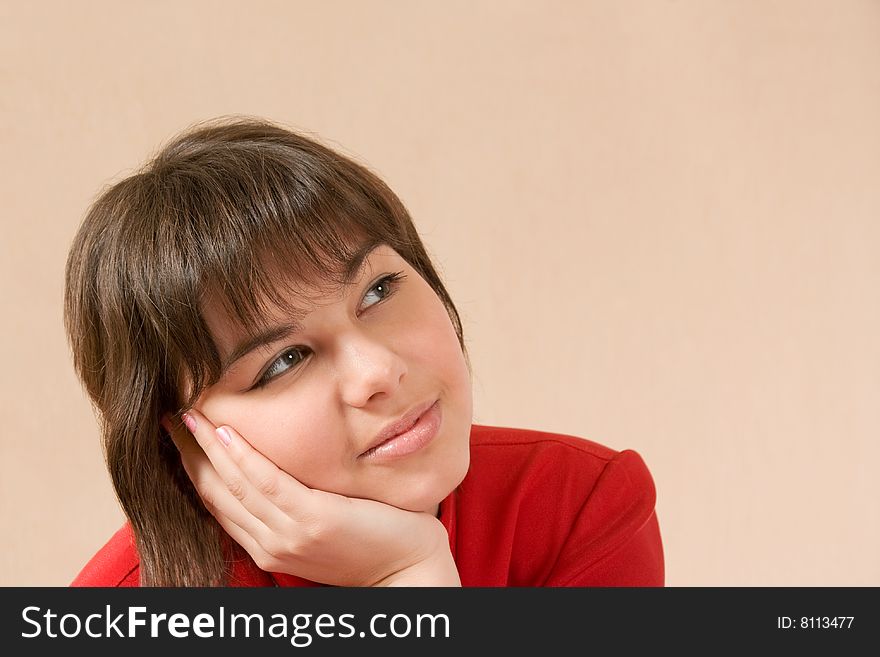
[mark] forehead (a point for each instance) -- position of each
(301, 298)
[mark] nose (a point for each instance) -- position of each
(369, 370)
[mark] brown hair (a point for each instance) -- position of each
(220, 208)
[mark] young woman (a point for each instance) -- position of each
(285, 396)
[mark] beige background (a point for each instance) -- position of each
(660, 222)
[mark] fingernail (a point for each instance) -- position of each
(224, 435)
(190, 422)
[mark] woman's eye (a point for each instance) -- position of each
(383, 288)
(286, 361)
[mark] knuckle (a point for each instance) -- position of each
(237, 488)
(200, 488)
(268, 485)
(208, 501)
(293, 541)
(279, 547)
(266, 562)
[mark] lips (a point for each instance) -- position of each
(400, 426)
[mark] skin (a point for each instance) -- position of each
(291, 484)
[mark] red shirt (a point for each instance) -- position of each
(535, 509)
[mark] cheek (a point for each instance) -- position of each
(439, 348)
(293, 433)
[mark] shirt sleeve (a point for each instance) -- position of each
(115, 564)
(615, 538)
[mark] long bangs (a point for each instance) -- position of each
(251, 230)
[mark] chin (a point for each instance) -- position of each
(426, 493)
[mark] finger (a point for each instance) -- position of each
(236, 521)
(211, 488)
(278, 486)
(235, 479)
(250, 545)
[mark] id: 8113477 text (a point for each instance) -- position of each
(815, 622)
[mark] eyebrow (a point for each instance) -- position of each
(353, 268)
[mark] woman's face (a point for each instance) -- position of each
(315, 400)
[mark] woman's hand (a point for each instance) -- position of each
(290, 528)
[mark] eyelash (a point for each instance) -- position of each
(389, 281)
